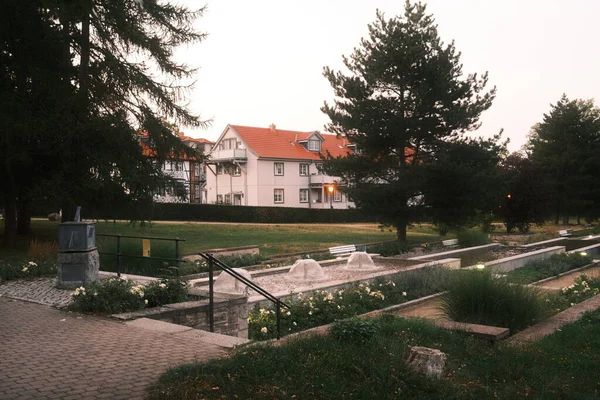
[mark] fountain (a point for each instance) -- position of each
(360, 261)
(226, 283)
(307, 271)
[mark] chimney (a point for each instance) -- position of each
(272, 128)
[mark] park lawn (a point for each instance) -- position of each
(560, 366)
(272, 239)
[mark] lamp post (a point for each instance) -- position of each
(330, 189)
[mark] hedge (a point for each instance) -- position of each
(225, 213)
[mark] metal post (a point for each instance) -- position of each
(278, 314)
(119, 256)
(211, 305)
(177, 253)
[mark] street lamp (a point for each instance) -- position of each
(331, 189)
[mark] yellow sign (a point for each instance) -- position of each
(145, 247)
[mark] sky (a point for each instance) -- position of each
(262, 61)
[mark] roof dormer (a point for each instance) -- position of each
(313, 142)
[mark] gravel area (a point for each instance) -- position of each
(276, 283)
(38, 290)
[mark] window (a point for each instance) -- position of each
(319, 169)
(303, 169)
(237, 199)
(337, 196)
(221, 146)
(219, 169)
(279, 168)
(197, 191)
(178, 166)
(219, 199)
(161, 190)
(168, 166)
(314, 145)
(278, 195)
(197, 170)
(237, 171)
(303, 195)
(227, 199)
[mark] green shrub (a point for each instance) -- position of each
(478, 297)
(241, 260)
(470, 238)
(165, 291)
(323, 307)
(388, 249)
(112, 296)
(552, 266)
(17, 268)
(355, 330)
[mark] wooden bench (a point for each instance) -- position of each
(565, 232)
(450, 242)
(340, 251)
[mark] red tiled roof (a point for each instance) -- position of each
(284, 143)
(149, 152)
(197, 140)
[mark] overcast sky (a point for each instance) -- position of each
(262, 61)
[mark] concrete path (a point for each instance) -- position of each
(50, 354)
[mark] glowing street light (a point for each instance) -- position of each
(330, 189)
(480, 266)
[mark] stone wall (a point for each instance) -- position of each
(230, 315)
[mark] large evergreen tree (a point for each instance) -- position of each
(80, 79)
(565, 147)
(405, 103)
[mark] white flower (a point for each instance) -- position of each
(294, 323)
(95, 293)
(288, 313)
(310, 313)
(162, 285)
(404, 294)
(264, 329)
(25, 269)
(145, 301)
(31, 263)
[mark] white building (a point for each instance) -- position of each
(272, 167)
(190, 172)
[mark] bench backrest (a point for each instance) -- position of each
(342, 250)
(450, 242)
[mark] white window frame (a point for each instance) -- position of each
(227, 198)
(278, 196)
(305, 199)
(276, 170)
(314, 145)
(197, 191)
(303, 169)
(197, 170)
(337, 196)
(219, 199)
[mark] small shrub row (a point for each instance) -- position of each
(470, 238)
(116, 295)
(388, 249)
(552, 266)
(323, 307)
(17, 269)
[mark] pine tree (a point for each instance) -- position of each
(403, 101)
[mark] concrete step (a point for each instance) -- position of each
(185, 331)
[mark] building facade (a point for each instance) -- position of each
(190, 172)
(251, 166)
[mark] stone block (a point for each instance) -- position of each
(426, 361)
(77, 268)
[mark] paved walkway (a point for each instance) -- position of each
(50, 354)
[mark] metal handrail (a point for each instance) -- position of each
(212, 261)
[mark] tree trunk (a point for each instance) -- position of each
(401, 232)
(10, 219)
(24, 216)
(565, 219)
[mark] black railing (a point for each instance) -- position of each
(212, 262)
(120, 255)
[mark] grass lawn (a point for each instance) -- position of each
(560, 366)
(273, 239)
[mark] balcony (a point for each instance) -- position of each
(228, 155)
